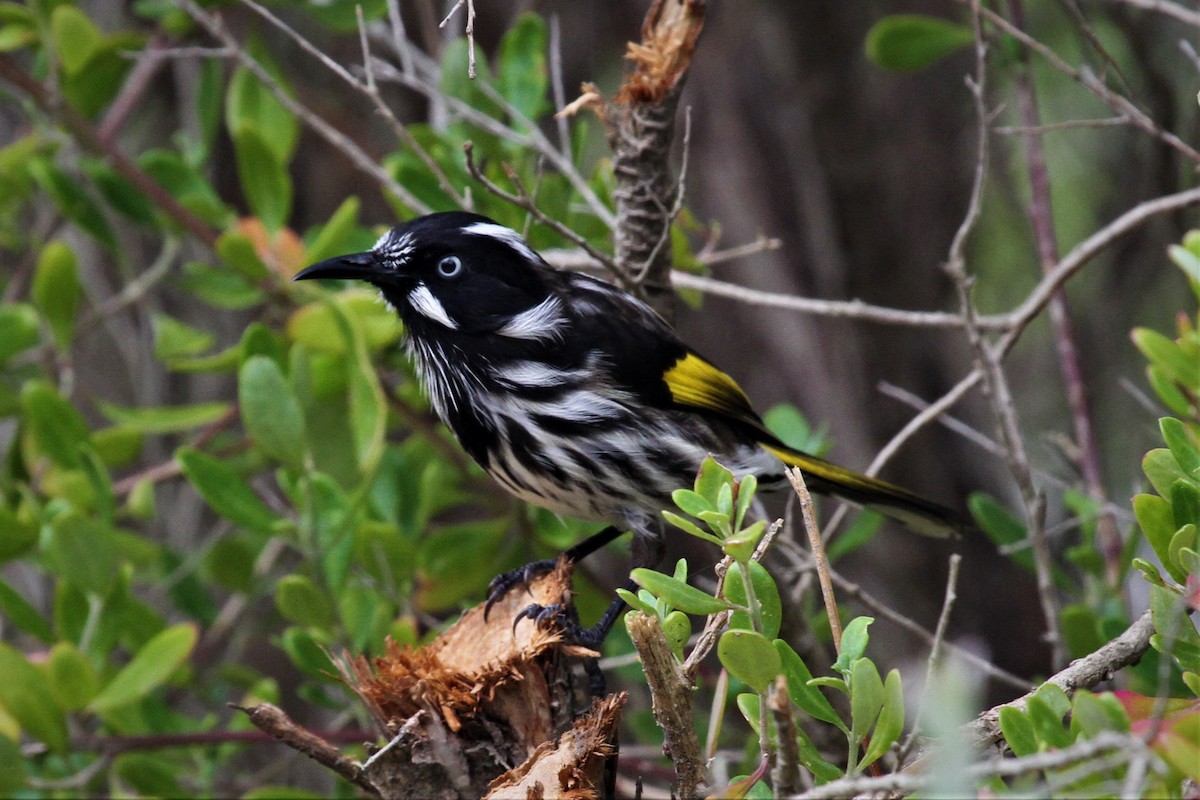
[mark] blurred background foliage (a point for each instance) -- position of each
(211, 475)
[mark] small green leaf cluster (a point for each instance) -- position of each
(750, 649)
(1050, 720)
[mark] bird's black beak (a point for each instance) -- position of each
(356, 266)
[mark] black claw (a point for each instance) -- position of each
(505, 582)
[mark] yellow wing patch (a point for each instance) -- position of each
(696, 383)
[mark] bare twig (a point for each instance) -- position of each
(785, 774)
(274, 721)
(796, 478)
(521, 199)
(1085, 750)
(469, 31)
(933, 663)
(1042, 221)
(1167, 8)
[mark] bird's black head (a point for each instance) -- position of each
(456, 272)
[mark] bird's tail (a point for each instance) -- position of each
(913, 511)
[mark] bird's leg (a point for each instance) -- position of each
(503, 583)
(647, 552)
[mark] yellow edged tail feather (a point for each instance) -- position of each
(911, 510)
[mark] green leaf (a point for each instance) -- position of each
(1047, 723)
(226, 491)
(300, 601)
(741, 545)
(368, 409)
(75, 38)
(891, 720)
(270, 411)
(677, 628)
(1185, 539)
(73, 679)
(750, 657)
(866, 697)
(690, 527)
(1162, 470)
(18, 329)
(678, 594)
(16, 609)
(236, 250)
(746, 491)
(265, 182)
(1168, 356)
(165, 419)
(250, 104)
(174, 339)
(57, 428)
(807, 697)
(691, 502)
(308, 650)
(766, 592)
(12, 761)
(315, 326)
(73, 200)
(710, 480)
(117, 446)
(1180, 443)
(1157, 521)
(16, 535)
(150, 668)
(1092, 714)
(334, 235)
(909, 42)
(25, 694)
(56, 290)
(522, 77)
(635, 603)
(1017, 728)
(1185, 502)
(82, 552)
(854, 644)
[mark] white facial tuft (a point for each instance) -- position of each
(505, 235)
(544, 321)
(392, 248)
(428, 306)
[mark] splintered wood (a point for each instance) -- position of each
(485, 710)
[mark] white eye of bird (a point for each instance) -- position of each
(450, 267)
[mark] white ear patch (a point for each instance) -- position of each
(506, 235)
(543, 321)
(428, 306)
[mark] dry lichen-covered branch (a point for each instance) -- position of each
(459, 712)
(641, 130)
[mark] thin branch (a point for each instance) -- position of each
(1167, 8)
(522, 200)
(1083, 673)
(820, 562)
(469, 31)
(934, 662)
(531, 137)
(849, 588)
(1042, 221)
(1084, 750)
(1085, 78)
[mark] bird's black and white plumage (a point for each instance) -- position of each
(572, 393)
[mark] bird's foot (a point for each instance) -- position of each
(505, 582)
